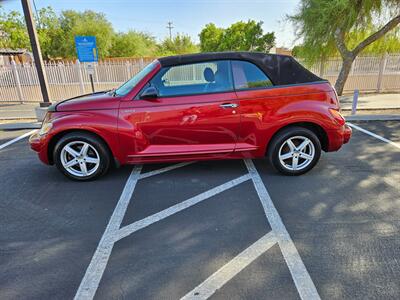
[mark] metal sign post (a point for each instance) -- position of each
(87, 52)
(90, 70)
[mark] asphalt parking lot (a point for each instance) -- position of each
(215, 229)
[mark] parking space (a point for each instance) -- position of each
(218, 229)
(344, 217)
(387, 129)
(9, 137)
(49, 226)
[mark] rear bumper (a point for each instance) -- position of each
(40, 144)
(338, 137)
(347, 134)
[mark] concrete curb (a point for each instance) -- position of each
(18, 126)
(373, 118)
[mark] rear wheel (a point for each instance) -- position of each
(81, 156)
(294, 151)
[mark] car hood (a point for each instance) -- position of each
(94, 101)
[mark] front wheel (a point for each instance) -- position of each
(81, 156)
(294, 151)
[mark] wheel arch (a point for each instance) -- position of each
(54, 140)
(314, 127)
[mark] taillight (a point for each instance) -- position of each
(337, 116)
(335, 99)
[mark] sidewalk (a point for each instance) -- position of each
(372, 102)
(17, 111)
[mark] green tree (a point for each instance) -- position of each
(334, 25)
(390, 43)
(240, 36)
(210, 38)
(133, 43)
(12, 26)
(75, 23)
(57, 32)
(180, 44)
(50, 33)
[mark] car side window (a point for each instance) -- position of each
(191, 79)
(247, 76)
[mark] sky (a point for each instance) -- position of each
(188, 17)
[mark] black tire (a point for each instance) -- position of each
(280, 141)
(99, 149)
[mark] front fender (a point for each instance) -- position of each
(102, 123)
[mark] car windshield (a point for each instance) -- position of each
(130, 84)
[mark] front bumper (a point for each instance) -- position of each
(39, 144)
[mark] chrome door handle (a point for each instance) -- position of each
(229, 105)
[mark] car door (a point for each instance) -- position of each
(259, 101)
(194, 113)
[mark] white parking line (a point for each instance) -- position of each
(131, 228)
(301, 278)
(166, 169)
(232, 268)
(94, 272)
(374, 135)
(279, 234)
(91, 280)
(2, 146)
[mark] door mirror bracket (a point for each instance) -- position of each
(149, 93)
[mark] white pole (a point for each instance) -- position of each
(96, 73)
(382, 67)
(128, 68)
(78, 68)
(355, 100)
(321, 68)
(17, 82)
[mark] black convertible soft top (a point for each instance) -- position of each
(281, 69)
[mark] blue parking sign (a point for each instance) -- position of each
(86, 48)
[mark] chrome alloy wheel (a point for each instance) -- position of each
(296, 153)
(80, 158)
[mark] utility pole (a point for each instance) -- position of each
(37, 15)
(37, 54)
(170, 29)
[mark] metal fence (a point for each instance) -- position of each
(368, 73)
(19, 83)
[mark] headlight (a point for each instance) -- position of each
(45, 128)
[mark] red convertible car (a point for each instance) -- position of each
(227, 105)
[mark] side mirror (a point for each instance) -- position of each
(149, 93)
